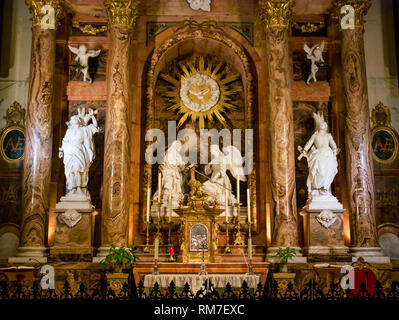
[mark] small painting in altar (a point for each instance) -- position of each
(199, 238)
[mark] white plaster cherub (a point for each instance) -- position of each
(204, 5)
(82, 57)
(314, 54)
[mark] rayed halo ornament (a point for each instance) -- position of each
(200, 90)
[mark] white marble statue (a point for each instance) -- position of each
(172, 176)
(314, 54)
(82, 57)
(204, 5)
(322, 159)
(78, 151)
(230, 159)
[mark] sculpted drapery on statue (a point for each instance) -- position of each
(78, 150)
(228, 160)
(321, 153)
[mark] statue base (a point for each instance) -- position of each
(324, 228)
(73, 230)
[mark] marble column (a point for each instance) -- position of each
(39, 135)
(276, 18)
(122, 16)
(359, 165)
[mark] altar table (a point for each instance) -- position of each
(196, 281)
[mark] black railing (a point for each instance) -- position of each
(310, 292)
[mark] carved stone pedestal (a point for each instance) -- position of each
(73, 231)
(198, 234)
(324, 233)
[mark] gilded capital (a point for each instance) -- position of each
(360, 8)
(45, 13)
(122, 12)
(275, 13)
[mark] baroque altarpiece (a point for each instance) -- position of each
(241, 65)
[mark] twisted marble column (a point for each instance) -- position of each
(276, 17)
(39, 133)
(359, 165)
(122, 16)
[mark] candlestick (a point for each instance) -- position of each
(147, 242)
(250, 249)
(156, 244)
(249, 205)
(226, 205)
(238, 188)
(148, 204)
(227, 249)
(170, 207)
(159, 195)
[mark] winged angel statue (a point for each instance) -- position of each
(221, 162)
(82, 57)
(314, 54)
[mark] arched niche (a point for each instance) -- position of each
(207, 38)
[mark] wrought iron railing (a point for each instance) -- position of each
(310, 292)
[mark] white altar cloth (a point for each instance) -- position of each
(196, 281)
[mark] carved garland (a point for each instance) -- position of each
(191, 29)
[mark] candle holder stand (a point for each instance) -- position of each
(227, 248)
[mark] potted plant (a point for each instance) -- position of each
(117, 259)
(284, 255)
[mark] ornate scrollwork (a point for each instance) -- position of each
(88, 28)
(308, 27)
(275, 13)
(35, 7)
(361, 7)
(122, 12)
(381, 116)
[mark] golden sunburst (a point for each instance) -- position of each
(200, 90)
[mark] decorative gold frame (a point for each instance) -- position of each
(3, 135)
(15, 117)
(396, 145)
(381, 118)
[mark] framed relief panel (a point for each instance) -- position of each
(12, 136)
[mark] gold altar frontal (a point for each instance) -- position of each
(198, 233)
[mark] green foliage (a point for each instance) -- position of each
(117, 257)
(285, 254)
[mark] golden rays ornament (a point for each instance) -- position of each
(200, 90)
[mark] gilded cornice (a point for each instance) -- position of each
(122, 12)
(275, 13)
(35, 7)
(360, 6)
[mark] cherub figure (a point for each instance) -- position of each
(314, 55)
(204, 5)
(82, 57)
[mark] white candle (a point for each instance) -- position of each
(226, 205)
(250, 249)
(156, 248)
(159, 187)
(148, 204)
(238, 189)
(249, 205)
(170, 207)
